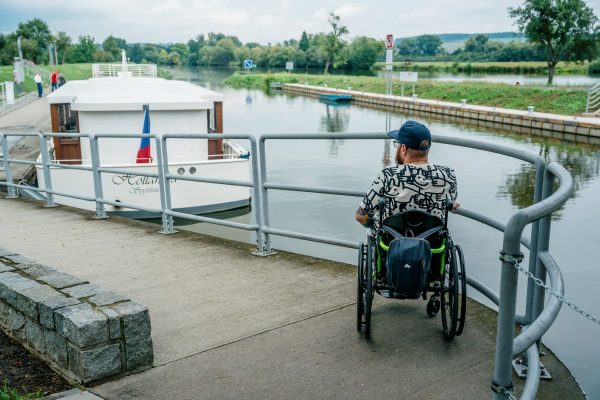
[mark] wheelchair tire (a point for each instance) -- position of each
(368, 292)
(462, 276)
(360, 305)
(449, 295)
(433, 306)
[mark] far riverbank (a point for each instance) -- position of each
(565, 100)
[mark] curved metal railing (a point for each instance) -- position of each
(537, 318)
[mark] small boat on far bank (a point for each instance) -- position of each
(338, 98)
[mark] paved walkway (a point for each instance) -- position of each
(229, 325)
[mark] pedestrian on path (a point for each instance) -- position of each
(53, 81)
(61, 78)
(38, 81)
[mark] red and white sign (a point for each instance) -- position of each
(389, 41)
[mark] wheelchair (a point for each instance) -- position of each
(446, 280)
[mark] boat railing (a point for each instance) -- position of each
(124, 70)
(592, 104)
(538, 315)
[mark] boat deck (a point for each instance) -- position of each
(229, 325)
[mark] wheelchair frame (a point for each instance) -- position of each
(449, 290)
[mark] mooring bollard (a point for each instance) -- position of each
(463, 102)
(530, 109)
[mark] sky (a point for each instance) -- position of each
(260, 21)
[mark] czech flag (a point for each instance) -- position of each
(143, 154)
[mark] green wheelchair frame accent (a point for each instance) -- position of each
(441, 249)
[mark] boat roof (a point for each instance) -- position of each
(131, 94)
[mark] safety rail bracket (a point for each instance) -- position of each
(505, 390)
(511, 258)
(521, 368)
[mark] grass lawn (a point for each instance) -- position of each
(558, 100)
(532, 67)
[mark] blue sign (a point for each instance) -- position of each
(247, 63)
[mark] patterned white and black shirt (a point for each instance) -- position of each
(423, 187)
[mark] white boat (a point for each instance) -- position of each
(116, 105)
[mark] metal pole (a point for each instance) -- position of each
(46, 168)
(167, 220)
(508, 303)
(164, 185)
(55, 54)
(587, 103)
(12, 192)
(543, 245)
(540, 168)
(256, 199)
(266, 245)
(100, 210)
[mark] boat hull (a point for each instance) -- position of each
(144, 192)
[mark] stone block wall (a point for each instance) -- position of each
(84, 331)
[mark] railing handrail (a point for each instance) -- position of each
(546, 201)
(593, 95)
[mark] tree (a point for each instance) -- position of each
(333, 43)
(114, 45)
(38, 33)
(476, 43)
(567, 29)
(303, 44)
(63, 42)
(83, 51)
(363, 52)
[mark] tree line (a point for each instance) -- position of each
(324, 50)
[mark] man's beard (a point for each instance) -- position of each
(399, 159)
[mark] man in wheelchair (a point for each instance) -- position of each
(408, 200)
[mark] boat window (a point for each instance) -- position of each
(210, 120)
(67, 119)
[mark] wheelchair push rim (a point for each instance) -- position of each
(449, 295)
(462, 276)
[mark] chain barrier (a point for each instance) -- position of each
(559, 296)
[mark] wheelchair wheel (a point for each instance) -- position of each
(368, 292)
(360, 305)
(462, 276)
(449, 295)
(433, 306)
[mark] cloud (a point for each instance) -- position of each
(349, 10)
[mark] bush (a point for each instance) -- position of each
(594, 68)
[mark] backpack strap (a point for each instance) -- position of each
(392, 232)
(430, 232)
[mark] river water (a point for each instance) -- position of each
(488, 183)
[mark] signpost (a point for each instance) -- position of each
(409, 77)
(289, 66)
(389, 60)
(248, 65)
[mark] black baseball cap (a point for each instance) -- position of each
(412, 134)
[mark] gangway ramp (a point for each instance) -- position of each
(230, 325)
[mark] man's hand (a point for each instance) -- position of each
(362, 216)
(455, 206)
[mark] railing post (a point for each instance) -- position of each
(587, 103)
(46, 169)
(100, 209)
(543, 245)
(540, 168)
(266, 238)
(257, 199)
(12, 191)
(165, 186)
(163, 167)
(507, 307)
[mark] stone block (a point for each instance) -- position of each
(94, 364)
(114, 322)
(81, 325)
(558, 127)
(582, 139)
(4, 307)
(569, 136)
(536, 124)
(594, 140)
(583, 130)
(16, 320)
(56, 347)
(5, 268)
(11, 283)
(36, 270)
(48, 305)
(82, 291)
(547, 126)
(106, 298)
(60, 280)
(35, 336)
(570, 129)
(28, 299)
(18, 259)
(595, 132)
(136, 331)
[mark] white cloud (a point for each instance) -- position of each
(349, 10)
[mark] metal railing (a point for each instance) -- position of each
(592, 104)
(32, 68)
(537, 318)
(118, 70)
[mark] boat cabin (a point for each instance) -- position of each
(116, 105)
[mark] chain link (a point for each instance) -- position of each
(559, 296)
(508, 393)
